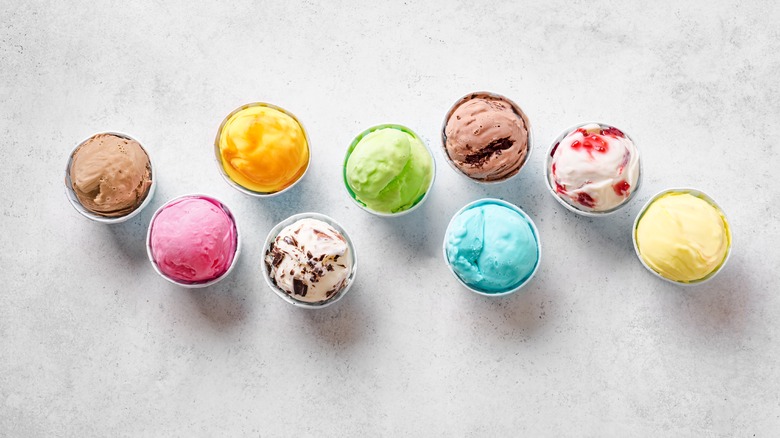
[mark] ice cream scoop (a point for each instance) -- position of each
(593, 168)
(492, 246)
(309, 260)
(262, 149)
(193, 239)
(682, 236)
(486, 137)
(110, 175)
(388, 169)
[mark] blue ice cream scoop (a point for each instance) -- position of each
(492, 247)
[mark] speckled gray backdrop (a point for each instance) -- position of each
(93, 343)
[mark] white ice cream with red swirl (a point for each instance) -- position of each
(309, 260)
(594, 168)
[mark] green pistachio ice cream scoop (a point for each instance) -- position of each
(388, 169)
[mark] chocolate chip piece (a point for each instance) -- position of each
(288, 240)
(278, 257)
(299, 287)
(495, 147)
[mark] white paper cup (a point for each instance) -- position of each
(518, 111)
(239, 187)
(288, 298)
(354, 143)
(193, 285)
(698, 194)
(74, 200)
(513, 207)
(551, 189)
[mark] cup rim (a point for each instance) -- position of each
(548, 160)
(512, 207)
(699, 194)
(518, 110)
(76, 204)
(195, 285)
(278, 291)
(351, 148)
(239, 187)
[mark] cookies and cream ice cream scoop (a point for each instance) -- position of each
(309, 260)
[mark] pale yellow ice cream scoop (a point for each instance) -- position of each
(683, 237)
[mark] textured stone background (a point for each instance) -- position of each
(93, 343)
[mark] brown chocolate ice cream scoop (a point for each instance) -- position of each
(111, 175)
(486, 137)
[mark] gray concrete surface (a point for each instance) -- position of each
(93, 343)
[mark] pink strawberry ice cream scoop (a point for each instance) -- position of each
(193, 239)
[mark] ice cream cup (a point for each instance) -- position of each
(74, 200)
(517, 109)
(512, 207)
(275, 232)
(239, 187)
(548, 162)
(698, 194)
(354, 143)
(188, 284)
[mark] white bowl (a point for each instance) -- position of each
(74, 200)
(551, 189)
(282, 294)
(238, 186)
(191, 285)
(512, 207)
(698, 194)
(352, 147)
(518, 110)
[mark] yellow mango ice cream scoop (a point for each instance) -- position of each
(262, 148)
(683, 236)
